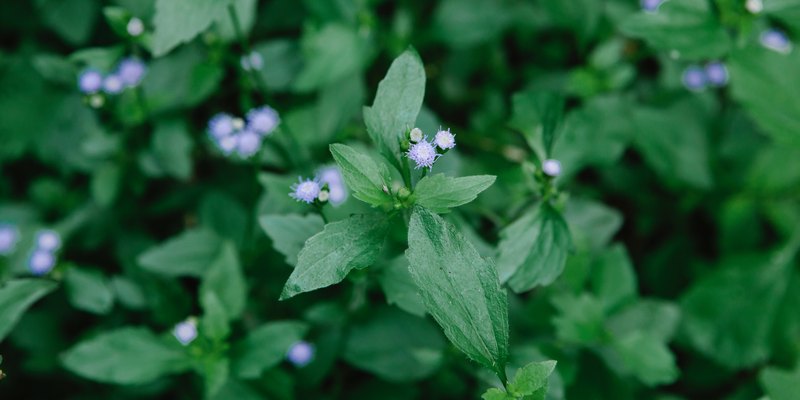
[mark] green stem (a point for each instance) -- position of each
(246, 50)
(405, 170)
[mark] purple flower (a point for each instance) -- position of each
(252, 61)
(305, 190)
(776, 40)
(248, 144)
(135, 27)
(552, 167)
(651, 5)
(228, 144)
(423, 154)
(8, 238)
(185, 331)
(131, 71)
(113, 84)
(694, 78)
(41, 262)
(336, 188)
(48, 240)
(263, 120)
(90, 81)
(221, 125)
(445, 140)
(300, 354)
(716, 73)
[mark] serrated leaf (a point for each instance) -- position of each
(125, 356)
(647, 358)
(16, 296)
(179, 21)
(88, 290)
(537, 115)
(328, 256)
(188, 254)
(290, 232)
(265, 347)
(532, 379)
(225, 279)
(460, 289)
(439, 193)
(533, 249)
(366, 178)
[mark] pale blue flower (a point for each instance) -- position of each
(651, 5)
(300, 354)
(90, 81)
(252, 61)
(48, 240)
(113, 84)
(716, 73)
(445, 140)
(423, 154)
(337, 190)
(305, 190)
(776, 40)
(263, 120)
(185, 331)
(552, 167)
(131, 71)
(135, 27)
(9, 235)
(221, 125)
(41, 262)
(694, 78)
(248, 143)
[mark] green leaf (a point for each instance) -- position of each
(533, 249)
(465, 23)
(613, 278)
(395, 346)
(55, 69)
(285, 63)
(16, 296)
(460, 289)
(328, 256)
(215, 373)
(532, 379)
(399, 287)
(787, 11)
(396, 104)
(117, 18)
(265, 347)
(73, 20)
(179, 21)
(188, 254)
(497, 394)
(656, 318)
(225, 279)
(537, 115)
(780, 384)
(89, 290)
(170, 151)
(647, 358)
(686, 26)
(439, 193)
(580, 318)
(125, 356)
(180, 80)
(105, 183)
(333, 53)
(368, 179)
(290, 232)
(591, 224)
(214, 324)
(226, 216)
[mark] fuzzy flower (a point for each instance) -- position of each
(185, 331)
(220, 125)
(415, 135)
(248, 143)
(135, 27)
(305, 190)
(337, 191)
(716, 73)
(48, 240)
(776, 40)
(423, 154)
(263, 120)
(228, 144)
(445, 140)
(552, 167)
(131, 70)
(252, 61)
(754, 6)
(8, 238)
(694, 78)
(651, 5)
(41, 262)
(90, 81)
(113, 84)
(300, 354)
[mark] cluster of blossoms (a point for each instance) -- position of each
(9, 236)
(713, 74)
(43, 257)
(300, 354)
(252, 61)
(776, 40)
(233, 135)
(328, 185)
(185, 331)
(425, 153)
(128, 74)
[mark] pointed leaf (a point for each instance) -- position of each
(16, 296)
(290, 232)
(368, 180)
(265, 347)
(439, 193)
(188, 254)
(225, 279)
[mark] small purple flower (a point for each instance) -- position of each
(300, 354)
(252, 61)
(716, 74)
(651, 5)
(552, 167)
(336, 189)
(305, 190)
(445, 140)
(185, 331)
(249, 143)
(776, 40)
(48, 240)
(221, 125)
(41, 262)
(90, 81)
(135, 27)
(423, 154)
(228, 144)
(694, 78)
(113, 84)
(263, 120)
(8, 238)
(131, 70)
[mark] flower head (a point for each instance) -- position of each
(113, 84)
(135, 27)
(300, 354)
(131, 70)
(48, 240)
(263, 120)
(445, 140)
(754, 6)
(415, 135)
(552, 167)
(41, 262)
(651, 5)
(337, 191)
(716, 73)
(694, 78)
(248, 143)
(8, 238)
(423, 154)
(220, 125)
(228, 144)
(90, 81)
(252, 61)
(185, 331)
(305, 190)
(776, 40)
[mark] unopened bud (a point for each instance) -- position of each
(415, 135)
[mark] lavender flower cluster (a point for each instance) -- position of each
(425, 153)
(232, 135)
(713, 74)
(128, 74)
(43, 257)
(9, 236)
(327, 186)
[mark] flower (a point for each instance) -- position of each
(300, 354)
(113, 84)
(776, 40)
(220, 125)
(41, 262)
(552, 167)
(8, 238)
(651, 5)
(445, 140)
(248, 143)
(754, 6)
(694, 78)
(252, 61)
(423, 154)
(48, 240)
(415, 135)
(332, 177)
(263, 120)
(305, 190)
(228, 144)
(135, 27)
(131, 70)
(185, 331)
(90, 81)
(716, 73)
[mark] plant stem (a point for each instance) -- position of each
(246, 51)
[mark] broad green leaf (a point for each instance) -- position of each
(328, 256)
(460, 289)
(285, 62)
(579, 319)
(237, 390)
(537, 115)
(73, 20)
(613, 278)
(179, 21)
(55, 69)
(656, 318)
(440, 193)
(368, 179)
(395, 346)
(215, 371)
(396, 104)
(125, 356)
(465, 23)
(16, 296)
(788, 12)
(532, 380)
(333, 53)
(170, 151)
(188, 254)
(780, 384)
(214, 324)
(105, 183)
(225, 279)
(580, 16)
(226, 216)
(399, 287)
(89, 290)
(264, 347)
(497, 394)
(688, 27)
(591, 224)
(246, 15)
(647, 358)
(128, 293)
(533, 249)
(290, 232)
